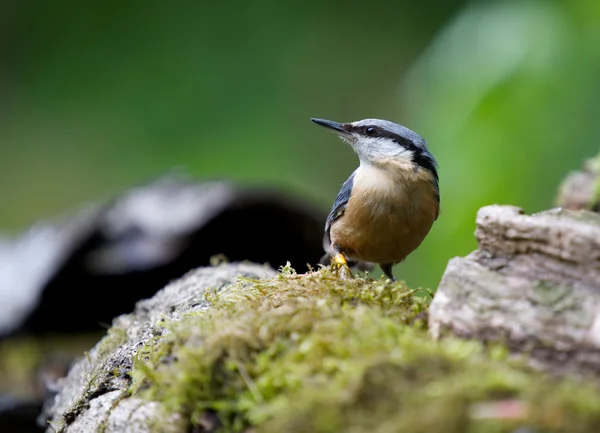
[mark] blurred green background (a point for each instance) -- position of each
(99, 96)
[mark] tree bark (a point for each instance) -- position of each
(534, 283)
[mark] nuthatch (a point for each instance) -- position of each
(388, 205)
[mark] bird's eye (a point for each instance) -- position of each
(370, 131)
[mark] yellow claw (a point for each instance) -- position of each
(339, 263)
(339, 259)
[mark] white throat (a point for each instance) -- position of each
(380, 151)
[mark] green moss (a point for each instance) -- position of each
(114, 338)
(94, 385)
(90, 389)
(316, 353)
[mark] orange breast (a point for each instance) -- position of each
(387, 217)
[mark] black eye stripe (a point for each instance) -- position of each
(402, 141)
(374, 131)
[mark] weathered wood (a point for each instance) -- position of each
(580, 189)
(534, 283)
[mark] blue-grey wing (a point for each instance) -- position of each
(339, 205)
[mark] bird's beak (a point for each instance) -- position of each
(334, 126)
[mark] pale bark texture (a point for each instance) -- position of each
(534, 283)
(581, 189)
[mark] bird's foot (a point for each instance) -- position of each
(387, 271)
(340, 266)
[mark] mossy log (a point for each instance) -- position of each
(95, 395)
(240, 348)
(534, 283)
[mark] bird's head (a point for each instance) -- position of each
(383, 143)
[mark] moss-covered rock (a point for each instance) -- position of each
(316, 353)
(307, 353)
(96, 394)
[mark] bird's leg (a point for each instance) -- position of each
(387, 271)
(339, 262)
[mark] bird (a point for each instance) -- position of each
(388, 205)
